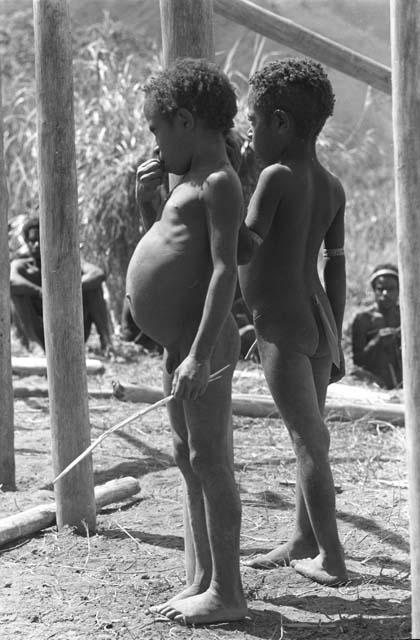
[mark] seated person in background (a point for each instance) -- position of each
(376, 332)
(26, 294)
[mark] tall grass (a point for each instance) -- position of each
(112, 137)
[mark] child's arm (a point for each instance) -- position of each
(223, 202)
(261, 210)
(335, 276)
(149, 178)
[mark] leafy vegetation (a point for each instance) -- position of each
(110, 65)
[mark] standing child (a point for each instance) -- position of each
(180, 284)
(296, 206)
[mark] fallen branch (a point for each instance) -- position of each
(262, 405)
(32, 520)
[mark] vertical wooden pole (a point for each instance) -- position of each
(60, 260)
(7, 454)
(187, 32)
(187, 29)
(405, 49)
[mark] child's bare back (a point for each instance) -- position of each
(296, 206)
(281, 284)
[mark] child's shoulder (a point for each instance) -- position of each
(222, 183)
(335, 183)
(221, 178)
(275, 176)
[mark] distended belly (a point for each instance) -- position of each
(165, 289)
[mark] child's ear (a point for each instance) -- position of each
(283, 120)
(185, 117)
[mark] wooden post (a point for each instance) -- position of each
(7, 454)
(405, 49)
(312, 44)
(187, 29)
(61, 271)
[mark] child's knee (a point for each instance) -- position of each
(314, 442)
(206, 463)
(181, 453)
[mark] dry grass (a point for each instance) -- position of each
(60, 585)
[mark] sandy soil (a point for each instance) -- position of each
(65, 586)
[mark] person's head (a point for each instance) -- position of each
(385, 284)
(190, 95)
(30, 233)
(289, 98)
(234, 142)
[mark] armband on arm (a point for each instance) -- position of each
(333, 253)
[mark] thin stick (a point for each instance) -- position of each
(250, 350)
(160, 403)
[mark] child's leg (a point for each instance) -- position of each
(28, 313)
(298, 390)
(198, 563)
(95, 310)
(210, 445)
(315, 568)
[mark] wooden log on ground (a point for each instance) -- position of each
(60, 262)
(262, 406)
(7, 454)
(41, 391)
(312, 44)
(37, 366)
(37, 518)
(405, 50)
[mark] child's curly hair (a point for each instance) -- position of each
(197, 85)
(299, 86)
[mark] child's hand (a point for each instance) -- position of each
(191, 378)
(149, 177)
(337, 373)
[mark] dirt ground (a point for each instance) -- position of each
(66, 586)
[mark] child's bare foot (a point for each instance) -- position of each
(330, 575)
(188, 592)
(282, 555)
(206, 608)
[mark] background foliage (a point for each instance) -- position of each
(110, 64)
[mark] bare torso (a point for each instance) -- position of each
(281, 285)
(169, 272)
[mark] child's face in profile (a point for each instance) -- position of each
(260, 132)
(170, 138)
(386, 290)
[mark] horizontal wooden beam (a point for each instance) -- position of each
(37, 366)
(305, 41)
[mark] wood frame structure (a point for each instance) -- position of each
(60, 263)
(305, 41)
(7, 453)
(405, 50)
(59, 226)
